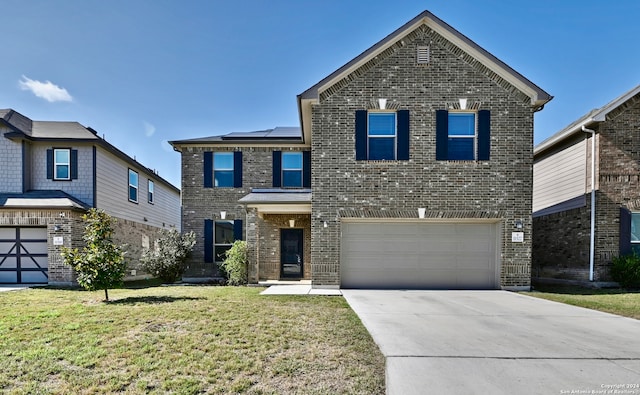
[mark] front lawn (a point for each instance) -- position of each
(616, 301)
(184, 340)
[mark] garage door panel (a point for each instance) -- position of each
(419, 255)
(23, 255)
(8, 277)
(34, 277)
(8, 262)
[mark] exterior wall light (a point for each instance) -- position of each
(518, 224)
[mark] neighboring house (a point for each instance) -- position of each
(412, 168)
(562, 196)
(52, 173)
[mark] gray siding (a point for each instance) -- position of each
(112, 194)
(10, 163)
(560, 176)
(81, 189)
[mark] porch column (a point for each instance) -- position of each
(252, 245)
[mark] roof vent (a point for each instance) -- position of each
(423, 54)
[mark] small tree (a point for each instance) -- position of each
(236, 262)
(167, 259)
(100, 264)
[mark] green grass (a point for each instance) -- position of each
(183, 340)
(616, 301)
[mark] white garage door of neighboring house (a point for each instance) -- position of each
(420, 255)
(23, 255)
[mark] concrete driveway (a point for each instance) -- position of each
(498, 342)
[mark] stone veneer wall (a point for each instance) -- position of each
(199, 203)
(500, 188)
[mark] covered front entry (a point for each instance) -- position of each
(420, 255)
(23, 255)
(291, 253)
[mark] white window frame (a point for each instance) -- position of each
(130, 185)
(387, 136)
(150, 191)
(300, 169)
(475, 131)
(57, 164)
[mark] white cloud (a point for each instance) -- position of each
(149, 129)
(45, 90)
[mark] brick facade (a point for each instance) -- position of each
(561, 240)
(499, 188)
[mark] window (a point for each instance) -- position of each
(382, 135)
(223, 239)
(62, 164)
(150, 191)
(133, 186)
(223, 169)
(462, 136)
(635, 232)
(292, 169)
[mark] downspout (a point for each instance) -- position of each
(592, 243)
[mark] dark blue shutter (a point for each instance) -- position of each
(442, 134)
(208, 169)
(208, 240)
(484, 134)
(403, 135)
(277, 169)
(361, 135)
(306, 169)
(237, 169)
(625, 231)
(74, 164)
(237, 229)
(49, 164)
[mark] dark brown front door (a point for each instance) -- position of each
(291, 253)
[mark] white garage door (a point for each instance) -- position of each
(419, 255)
(23, 255)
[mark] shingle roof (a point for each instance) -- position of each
(289, 133)
(277, 196)
(41, 199)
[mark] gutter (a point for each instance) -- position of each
(592, 241)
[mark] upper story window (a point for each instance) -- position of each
(133, 186)
(150, 191)
(62, 164)
(292, 169)
(382, 135)
(463, 135)
(223, 169)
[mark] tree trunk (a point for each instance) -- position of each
(106, 295)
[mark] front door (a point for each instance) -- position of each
(291, 253)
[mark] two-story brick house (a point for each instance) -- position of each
(412, 168)
(52, 173)
(586, 194)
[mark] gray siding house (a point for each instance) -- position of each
(580, 225)
(412, 168)
(52, 173)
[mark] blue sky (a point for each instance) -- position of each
(142, 72)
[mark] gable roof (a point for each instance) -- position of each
(590, 118)
(23, 128)
(537, 96)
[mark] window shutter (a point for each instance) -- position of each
(361, 135)
(208, 241)
(237, 169)
(484, 134)
(277, 169)
(237, 229)
(49, 164)
(74, 164)
(625, 231)
(306, 169)
(208, 170)
(442, 134)
(403, 135)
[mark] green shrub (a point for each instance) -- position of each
(626, 270)
(235, 263)
(167, 259)
(100, 264)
